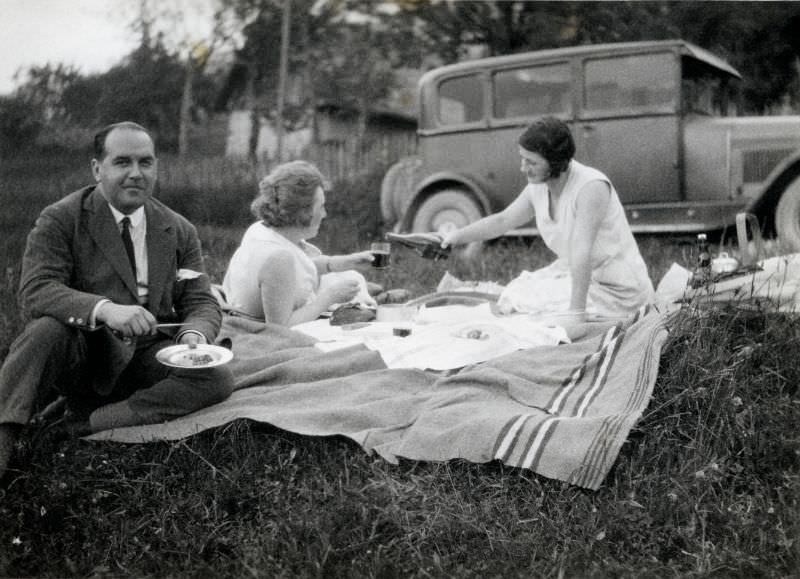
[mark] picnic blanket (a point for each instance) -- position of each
(561, 411)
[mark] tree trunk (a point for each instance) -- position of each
(282, 77)
(186, 110)
(255, 117)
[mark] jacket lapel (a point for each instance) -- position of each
(160, 255)
(105, 233)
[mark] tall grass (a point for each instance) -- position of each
(706, 486)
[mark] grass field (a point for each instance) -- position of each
(706, 486)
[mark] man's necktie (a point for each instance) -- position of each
(128, 243)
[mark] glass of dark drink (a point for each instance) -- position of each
(381, 253)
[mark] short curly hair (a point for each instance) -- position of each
(286, 196)
(551, 138)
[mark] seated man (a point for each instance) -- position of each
(101, 268)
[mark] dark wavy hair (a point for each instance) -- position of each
(99, 143)
(286, 196)
(551, 138)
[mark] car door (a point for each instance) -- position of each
(520, 94)
(628, 124)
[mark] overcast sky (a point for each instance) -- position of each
(91, 35)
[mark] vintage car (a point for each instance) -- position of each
(659, 118)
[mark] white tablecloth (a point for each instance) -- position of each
(441, 338)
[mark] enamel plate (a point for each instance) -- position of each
(203, 356)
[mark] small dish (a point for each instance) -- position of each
(203, 356)
(395, 313)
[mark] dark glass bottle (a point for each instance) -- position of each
(702, 272)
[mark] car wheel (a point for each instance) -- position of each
(446, 210)
(787, 217)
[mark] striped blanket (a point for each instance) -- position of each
(561, 411)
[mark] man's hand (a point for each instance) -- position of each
(191, 339)
(128, 321)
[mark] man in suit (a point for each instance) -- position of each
(101, 268)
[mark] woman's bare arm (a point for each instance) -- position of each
(515, 215)
(278, 284)
(591, 204)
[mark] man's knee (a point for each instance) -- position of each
(45, 333)
(220, 385)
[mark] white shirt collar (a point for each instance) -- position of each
(136, 217)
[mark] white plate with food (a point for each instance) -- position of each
(203, 356)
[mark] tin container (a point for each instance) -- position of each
(724, 263)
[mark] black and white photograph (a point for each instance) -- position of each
(397, 289)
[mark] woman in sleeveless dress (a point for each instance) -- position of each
(274, 274)
(579, 217)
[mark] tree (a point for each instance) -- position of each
(759, 38)
(350, 58)
(341, 52)
(20, 124)
(193, 45)
(44, 89)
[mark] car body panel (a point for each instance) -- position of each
(644, 113)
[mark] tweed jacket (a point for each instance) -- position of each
(75, 257)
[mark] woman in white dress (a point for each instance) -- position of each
(580, 218)
(274, 274)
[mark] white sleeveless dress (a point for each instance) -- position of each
(259, 243)
(620, 283)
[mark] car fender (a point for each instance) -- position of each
(443, 180)
(764, 204)
(397, 187)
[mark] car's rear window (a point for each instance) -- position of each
(630, 84)
(460, 100)
(533, 90)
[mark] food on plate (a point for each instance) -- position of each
(351, 314)
(190, 359)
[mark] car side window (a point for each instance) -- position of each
(531, 91)
(630, 84)
(460, 100)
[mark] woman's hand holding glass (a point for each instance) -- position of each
(358, 260)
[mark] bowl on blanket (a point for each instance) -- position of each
(395, 313)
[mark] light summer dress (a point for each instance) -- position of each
(619, 284)
(259, 243)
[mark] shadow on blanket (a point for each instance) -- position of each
(561, 411)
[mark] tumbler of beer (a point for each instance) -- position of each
(381, 252)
